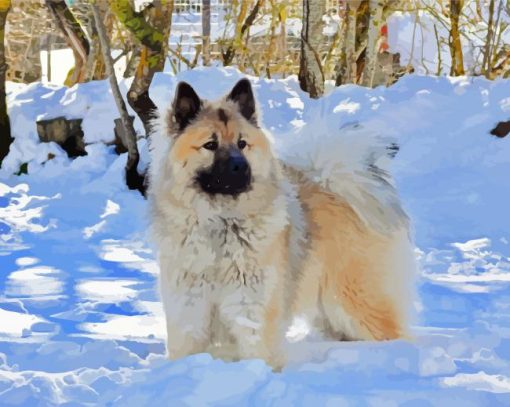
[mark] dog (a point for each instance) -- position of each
(249, 245)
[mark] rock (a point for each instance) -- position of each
(65, 132)
(501, 130)
(120, 144)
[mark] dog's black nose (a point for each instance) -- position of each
(230, 173)
(237, 164)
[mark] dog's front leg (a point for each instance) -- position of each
(187, 312)
(251, 315)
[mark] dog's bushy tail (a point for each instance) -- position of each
(353, 162)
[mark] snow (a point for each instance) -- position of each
(61, 61)
(480, 381)
(80, 318)
(13, 323)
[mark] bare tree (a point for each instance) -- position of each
(5, 126)
(457, 67)
(242, 26)
(75, 38)
(361, 39)
(96, 69)
(311, 76)
(350, 58)
(340, 68)
(206, 31)
(153, 36)
(363, 58)
(133, 179)
(371, 54)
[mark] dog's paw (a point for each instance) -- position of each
(226, 352)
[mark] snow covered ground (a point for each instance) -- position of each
(80, 321)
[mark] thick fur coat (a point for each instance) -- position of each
(250, 245)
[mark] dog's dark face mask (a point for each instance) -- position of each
(229, 174)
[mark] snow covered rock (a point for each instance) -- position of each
(66, 133)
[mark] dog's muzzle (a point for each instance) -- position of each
(229, 174)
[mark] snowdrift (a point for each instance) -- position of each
(80, 321)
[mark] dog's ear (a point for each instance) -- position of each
(186, 105)
(242, 95)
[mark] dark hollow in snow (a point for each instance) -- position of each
(67, 133)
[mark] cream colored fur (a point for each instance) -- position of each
(301, 247)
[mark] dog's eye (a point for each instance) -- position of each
(211, 145)
(241, 144)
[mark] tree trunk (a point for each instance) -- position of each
(133, 179)
(49, 39)
(206, 31)
(75, 38)
(133, 61)
(486, 64)
(457, 67)
(374, 33)
(351, 71)
(311, 77)
(341, 63)
(154, 40)
(271, 45)
(96, 69)
(362, 26)
(5, 126)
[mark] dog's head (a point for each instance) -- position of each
(218, 153)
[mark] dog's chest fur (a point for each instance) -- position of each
(221, 252)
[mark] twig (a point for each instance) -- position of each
(439, 59)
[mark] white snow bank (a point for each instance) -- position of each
(80, 320)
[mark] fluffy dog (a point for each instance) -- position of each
(249, 244)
